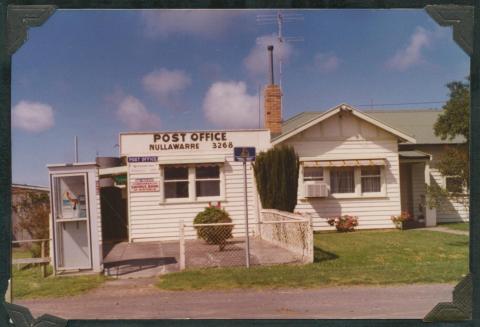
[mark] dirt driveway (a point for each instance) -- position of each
(140, 299)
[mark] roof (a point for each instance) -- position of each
(304, 121)
(30, 187)
(418, 123)
(74, 164)
(413, 155)
(420, 128)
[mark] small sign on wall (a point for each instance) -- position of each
(144, 185)
(143, 168)
(142, 159)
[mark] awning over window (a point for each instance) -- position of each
(191, 160)
(345, 163)
(415, 154)
(113, 171)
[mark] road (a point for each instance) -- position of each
(140, 299)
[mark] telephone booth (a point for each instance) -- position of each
(76, 223)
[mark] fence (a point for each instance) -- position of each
(277, 240)
(43, 259)
(289, 231)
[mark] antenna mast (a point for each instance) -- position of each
(279, 18)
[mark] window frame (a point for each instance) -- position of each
(219, 179)
(192, 196)
(314, 179)
(164, 181)
(343, 193)
(464, 189)
(357, 194)
(379, 176)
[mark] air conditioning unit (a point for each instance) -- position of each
(316, 190)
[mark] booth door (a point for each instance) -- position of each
(71, 221)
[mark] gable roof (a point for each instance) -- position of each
(417, 123)
(302, 121)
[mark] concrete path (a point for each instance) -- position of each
(140, 299)
(151, 259)
(446, 230)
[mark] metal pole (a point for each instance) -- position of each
(182, 245)
(247, 247)
(76, 149)
(270, 50)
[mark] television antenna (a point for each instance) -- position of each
(279, 19)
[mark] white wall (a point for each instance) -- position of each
(350, 138)
(151, 218)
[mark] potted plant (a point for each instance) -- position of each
(345, 223)
(400, 219)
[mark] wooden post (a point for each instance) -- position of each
(44, 266)
(182, 245)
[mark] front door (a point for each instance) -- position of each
(406, 196)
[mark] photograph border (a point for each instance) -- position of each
(17, 16)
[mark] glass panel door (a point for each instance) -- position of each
(72, 241)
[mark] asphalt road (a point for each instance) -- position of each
(139, 299)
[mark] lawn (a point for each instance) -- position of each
(358, 258)
(29, 283)
(457, 226)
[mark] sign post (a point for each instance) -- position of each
(245, 154)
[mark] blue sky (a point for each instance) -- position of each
(97, 73)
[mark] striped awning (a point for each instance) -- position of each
(179, 161)
(345, 163)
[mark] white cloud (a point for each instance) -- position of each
(412, 54)
(257, 62)
(163, 23)
(165, 83)
(228, 105)
(32, 116)
(133, 113)
(326, 62)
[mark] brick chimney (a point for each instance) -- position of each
(273, 102)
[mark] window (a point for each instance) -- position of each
(176, 182)
(342, 180)
(193, 182)
(454, 184)
(207, 181)
(312, 174)
(371, 179)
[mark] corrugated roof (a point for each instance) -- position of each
(417, 122)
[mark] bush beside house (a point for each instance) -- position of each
(276, 174)
(214, 234)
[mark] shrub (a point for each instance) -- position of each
(276, 175)
(214, 234)
(33, 211)
(402, 217)
(345, 223)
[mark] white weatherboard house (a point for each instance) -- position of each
(372, 164)
(172, 176)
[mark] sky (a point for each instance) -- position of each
(94, 74)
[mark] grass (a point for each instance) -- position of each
(457, 226)
(359, 258)
(28, 283)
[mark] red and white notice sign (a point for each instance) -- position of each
(144, 185)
